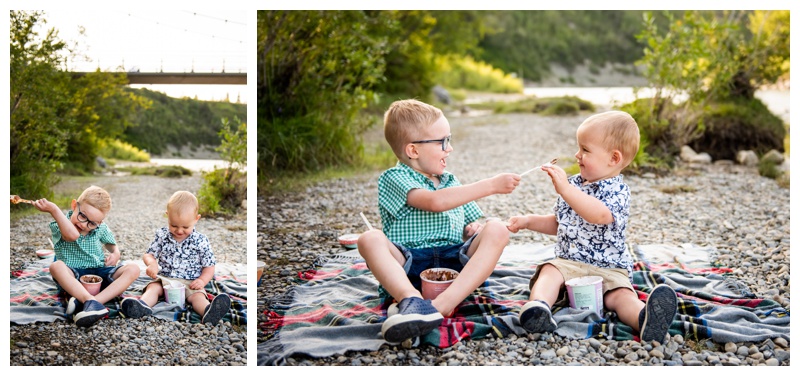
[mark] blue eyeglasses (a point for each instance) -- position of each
(445, 142)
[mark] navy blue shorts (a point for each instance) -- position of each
(105, 272)
(418, 260)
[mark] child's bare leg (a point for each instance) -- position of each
(152, 292)
(547, 285)
(385, 262)
(484, 252)
(66, 279)
(626, 304)
(535, 316)
(199, 302)
(123, 278)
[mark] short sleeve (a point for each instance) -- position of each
(105, 235)
(155, 245)
(206, 255)
(393, 188)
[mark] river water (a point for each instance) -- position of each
(776, 100)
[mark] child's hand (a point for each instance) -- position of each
(112, 258)
(152, 270)
(45, 206)
(198, 284)
(472, 229)
(558, 176)
(517, 223)
(505, 183)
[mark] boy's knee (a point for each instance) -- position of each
(496, 229)
(57, 265)
(370, 238)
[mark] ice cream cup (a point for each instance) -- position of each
(586, 293)
(91, 283)
(175, 293)
(436, 280)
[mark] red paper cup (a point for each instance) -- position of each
(436, 280)
(91, 287)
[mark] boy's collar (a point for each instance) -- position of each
(445, 175)
(617, 178)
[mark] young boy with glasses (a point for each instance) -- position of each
(428, 221)
(179, 254)
(79, 238)
(591, 215)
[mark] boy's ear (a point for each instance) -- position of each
(411, 151)
(73, 204)
(198, 218)
(616, 157)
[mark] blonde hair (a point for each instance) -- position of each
(183, 200)
(404, 120)
(620, 132)
(96, 197)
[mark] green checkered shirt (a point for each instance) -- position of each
(415, 228)
(85, 252)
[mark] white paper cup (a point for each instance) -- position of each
(175, 294)
(586, 293)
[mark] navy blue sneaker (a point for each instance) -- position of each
(535, 317)
(414, 317)
(135, 308)
(73, 306)
(92, 312)
(659, 311)
(217, 309)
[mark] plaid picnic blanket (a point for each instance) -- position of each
(34, 296)
(336, 307)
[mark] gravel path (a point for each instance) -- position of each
(745, 216)
(138, 206)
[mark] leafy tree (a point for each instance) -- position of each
(223, 190)
(55, 118)
(316, 71)
(705, 70)
(39, 98)
(528, 42)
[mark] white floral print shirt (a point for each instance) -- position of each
(599, 245)
(181, 260)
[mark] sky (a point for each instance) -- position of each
(153, 41)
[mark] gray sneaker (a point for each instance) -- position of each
(414, 317)
(217, 309)
(135, 308)
(659, 311)
(535, 317)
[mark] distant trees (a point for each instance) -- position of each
(317, 70)
(56, 119)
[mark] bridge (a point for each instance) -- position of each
(181, 78)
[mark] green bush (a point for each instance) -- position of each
(222, 191)
(769, 169)
(739, 124)
(566, 105)
(162, 171)
(466, 73)
(116, 149)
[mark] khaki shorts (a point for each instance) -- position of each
(186, 282)
(612, 278)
